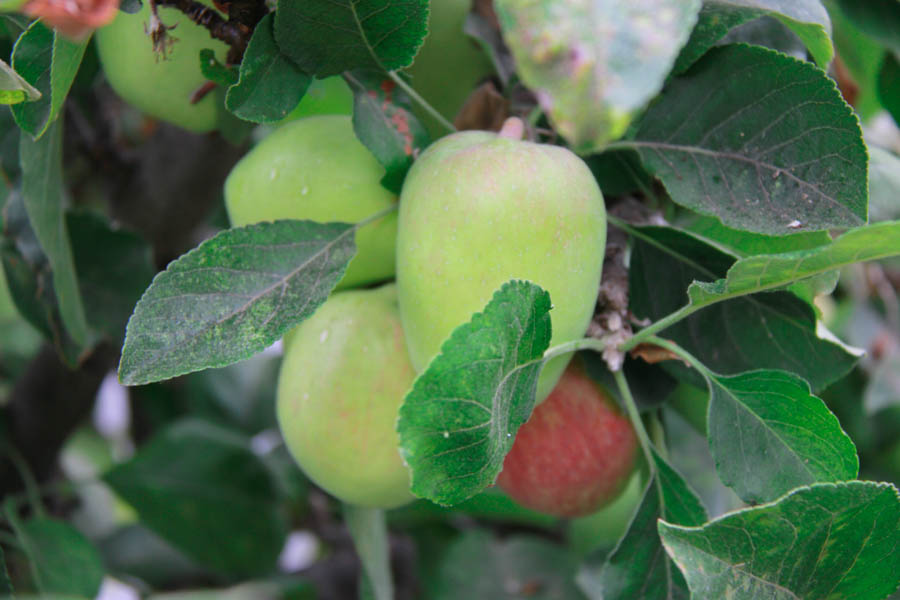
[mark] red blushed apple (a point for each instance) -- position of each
(576, 452)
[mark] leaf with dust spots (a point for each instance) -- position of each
(760, 140)
(823, 541)
(233, 296)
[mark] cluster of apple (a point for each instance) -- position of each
(476, 210)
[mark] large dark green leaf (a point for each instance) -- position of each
(760, 140)
(769, 435)
(594, 65)
(823, 541)
(201, 488)
(459, 421)
(774, 330)
(270, 83)
(62, 560)
(43, 194)
(477, 565)
(326, 37)
(806, 18)
(233, 296)
(638, 567)
(114, 268)
(384, 123)
(49, 62)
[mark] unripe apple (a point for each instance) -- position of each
(344, 375)
(315, 168)
(576, 452)
(449, 65)
(478, 209)
(161, 87)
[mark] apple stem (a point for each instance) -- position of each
(513, 128)
(420, 101)
(636, 420)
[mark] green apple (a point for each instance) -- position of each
(601, 530)
(449, 65)
(478, 209)
(344, 375)
(315, 168)
(575, 454)
(329, 96)
(161, 87)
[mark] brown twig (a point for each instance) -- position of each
(243, 15)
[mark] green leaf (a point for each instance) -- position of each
(201, 488)
(370, 538)
(384, 123)
(114, 268)
(43, 194)
(760, 140)
(270, 84)
(766, 272)
(62, 560)
(745, 243)
(769, 435)
(459, 421)
(823, 541)
(594, 65)
(638, 567)
(233, 296)
(773, 330)
(889, 85)
(879, 19)
(477, 565)
(6, 587)
(30, 279)
(326, 37)
(215, 71)
(14, 89)
(862, 56)
(49, 62)
(884, 181)
(806, 18)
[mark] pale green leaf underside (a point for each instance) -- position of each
(823, 541)
(761, 273)
(769, 435)
(760, 140)
(460, 418)
(595, 63)
(370, 538)
(233, 296)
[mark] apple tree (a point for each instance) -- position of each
(450, 299)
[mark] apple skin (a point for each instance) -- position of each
(161, 88)
(478, 209)
(315, 168)
(329, 96)
(344, 375)
(575, 454)
(449, 65)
